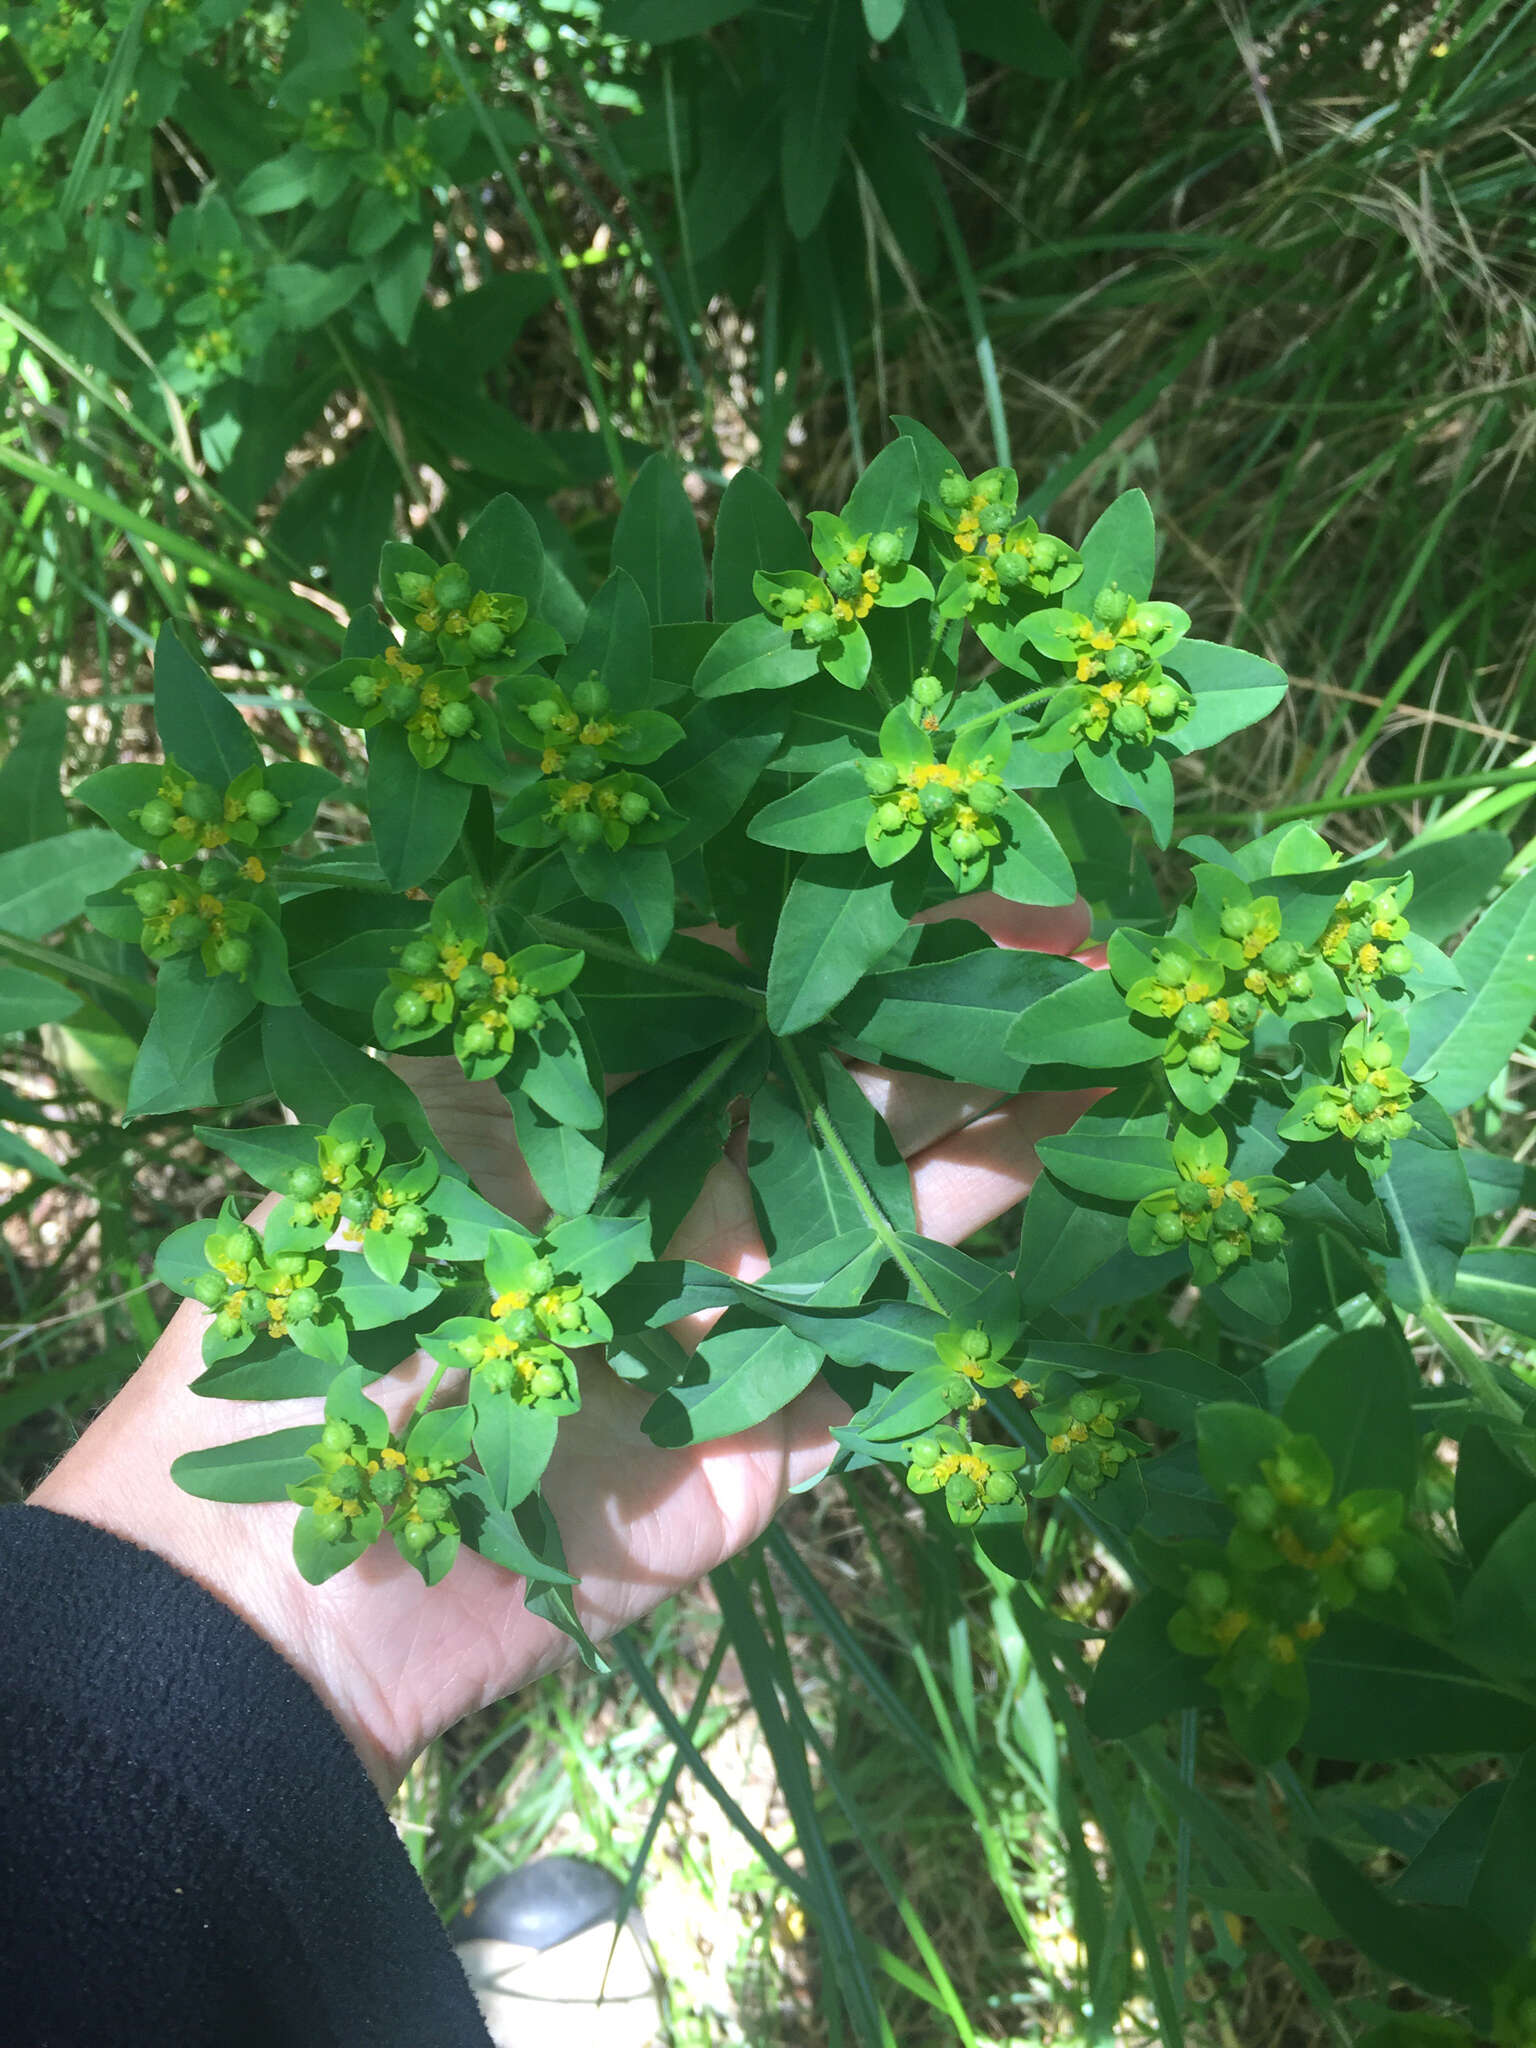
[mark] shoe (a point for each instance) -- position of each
(552, 1964)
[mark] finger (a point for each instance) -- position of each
(1025, 926)
(969, 1178)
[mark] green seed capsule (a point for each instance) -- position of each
(410, 1219)
(346, 1152)
(540, 1277)
(332, 1525)
(365, 691)
(936, 803)
(880, 777)
(290, 1264)
(965, 846)
(240, 1245)
(569, 1316)
(1299, 985)
(477, 1040)
(228, 1322)
(413, 586)
(1325, 1114)
(234, 956)
(1226, 1252)
(1164, 701)
(1130, 722)
(1244, 1010)
(1230, 1215)
(1375, 1569)
(346, 1482)
(548, 1383)
(457, 718)
(1012, 569)
(1267, 1228)
(885, 550)
(999, 1487)
(432, 1503)
(410, 1008)
(583, 830)
(1281, 956)
(450, 586)
(819, 627)
(927, 691)
(188, 930)
(262, 807)
(590, 698)
(210, 1289)
(338, 1435)
(356, 1205)
(419, 957)
(1237, 921)
(1205, 1059)
(844, 580)
(1192, 1021)
(472, 982)
(634, 807)
(485, 640)
(954, 491)
(1399, 1125)
(975, 1344)
(583, 763)
(924, 1454)
(157, 818)
(986, 798)
(1397, 959)
(890, 818)
(1124, 664)
(303, 1304)
(521, 1325)
(1208, 1592)
(1192, 1198)
(201, 801)
(1364, 1098)
(1377, 1053)
(541, 716)
(388, 1485)
(1111, 606)
(150, 897)
(1172, 970)
(1169, 1227)
(523, 1013)
(399, 700)
(418, 1536)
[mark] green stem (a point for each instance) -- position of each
(71, 969)
(661, 1126)
(821, 1121)
(560, 934)
(426, 1395)
(1469, 1362)
(1366, 799)
(1018, 704)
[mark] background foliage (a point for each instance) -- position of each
(279, 283)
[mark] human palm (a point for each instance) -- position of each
(398, 1661)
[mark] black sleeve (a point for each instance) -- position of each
(190, 1849)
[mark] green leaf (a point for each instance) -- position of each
(1232, 689)
(1135, 778)
(1503, 1894)
(832, 929)
(565, 1162)
(1117, 1167)
(1492, 1490)
(937, 66)
(1083, 1023)
(754, 653)
(1498, 1282)
(1464, 1037)
(1140, 1677)
(1428, 1200)
(755, 531)
(1017, 36)
(1378, 1693)
(46, 884)
(657, 541)
(886, 497)
(513, 1444)
(16, 1152)
(31, 800)
(1441, 1950)
(260, 1469)
(1452, 879)
(400, 280)
(317, 1075)
(1356, 1398)
(417, 813)
(30, 999)
(1120, 547)
(743, 1372)
(200, 1049)
(636, 881)
(828, 814)
(1030, 866)
(501, 551)
(304, 296)
(955, 1015)
(614, 643)
(197, 724)
(823, 63)
(1496, 1625)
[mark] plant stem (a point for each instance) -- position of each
(66, 965)
(821, 1121)
(1018, 704)
(1365, 799)
(667, 1120)
(1469, 1362)
(426, 1395)
(560, 934)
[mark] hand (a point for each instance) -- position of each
(397, 1661)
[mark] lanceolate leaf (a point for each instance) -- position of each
(743, 1372)
(954, 1016)
(45, 885)
(1084, 1023)
(1120, 547)
(754, 531)
(1428, 1201)
(816, 120)
(835, 924)
(198, 726)
(657, 541)
(1463, 1037)
(417, 812)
